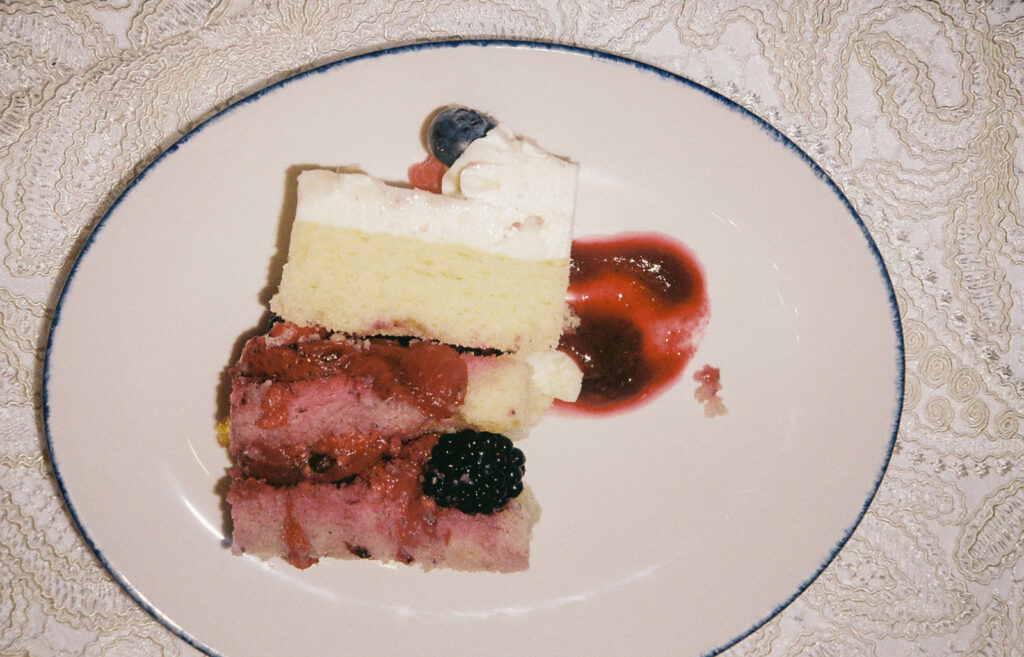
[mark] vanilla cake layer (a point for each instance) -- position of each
(366, 283)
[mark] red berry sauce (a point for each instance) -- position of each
(642, 305)
(430, 376)
(710, 380)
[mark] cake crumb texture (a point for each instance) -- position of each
(366, 284)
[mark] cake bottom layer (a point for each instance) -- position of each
(348, 281)
(381, 513)
(305, 522)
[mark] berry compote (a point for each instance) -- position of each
(642, 304)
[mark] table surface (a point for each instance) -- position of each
(914, 108)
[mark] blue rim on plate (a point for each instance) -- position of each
(767, 128)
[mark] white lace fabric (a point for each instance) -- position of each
(914, 107)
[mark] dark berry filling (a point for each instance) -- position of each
(321, 463)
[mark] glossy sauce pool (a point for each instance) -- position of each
(642, 303)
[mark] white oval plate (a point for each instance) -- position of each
(663, 531)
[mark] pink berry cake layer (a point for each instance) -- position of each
(380, 514)
(295, 388)
(308, 406)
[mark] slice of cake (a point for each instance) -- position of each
(484, 265)
(419, 334)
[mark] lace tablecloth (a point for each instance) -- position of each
(914, 108)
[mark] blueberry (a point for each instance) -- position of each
(453, 129)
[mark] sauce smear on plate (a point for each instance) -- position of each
(642, 305)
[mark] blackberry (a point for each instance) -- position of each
(474, 471)
(274, 319)
(453, 129)
(321, 463)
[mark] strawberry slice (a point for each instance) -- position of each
(426, 175)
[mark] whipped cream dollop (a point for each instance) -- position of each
(513, 172)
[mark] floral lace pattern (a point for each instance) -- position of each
(914, 107)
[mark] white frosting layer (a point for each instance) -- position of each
(504, 196)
